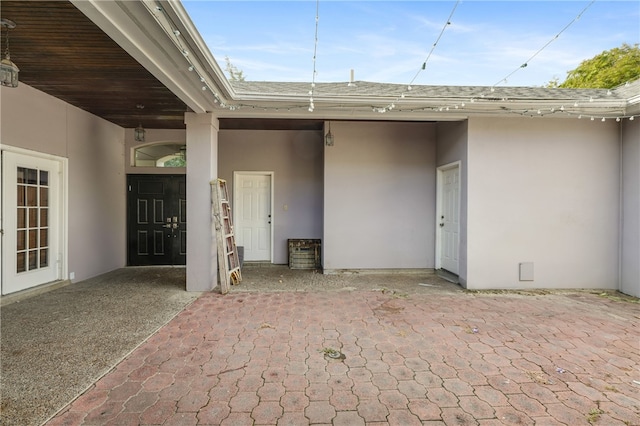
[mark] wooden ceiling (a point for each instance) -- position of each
(61, 52)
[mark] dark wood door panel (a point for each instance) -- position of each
(156, 220)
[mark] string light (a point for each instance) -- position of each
(526, 63)
(174, 34)
(424, 63)
(315, 51)
(481, 102)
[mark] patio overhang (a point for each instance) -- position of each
(109, 57)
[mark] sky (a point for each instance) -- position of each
(486, 42)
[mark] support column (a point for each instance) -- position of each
(630, 227)
(202, 168)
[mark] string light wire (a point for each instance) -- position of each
(424, 63)
(175, 36)
(444, 27)
(458, 107)
(526, 63)
(315, 51)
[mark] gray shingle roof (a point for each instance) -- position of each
(364, 89)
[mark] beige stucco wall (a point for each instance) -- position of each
(630, 230)
(295, 157)
(379, 196)
(94, 148)
(544, 191)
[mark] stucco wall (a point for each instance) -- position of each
(96, 179)
(630, 259)
(544, 191)
(380, 196)
(452, 147)
(295, 157)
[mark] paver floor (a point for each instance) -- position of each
(379, 357)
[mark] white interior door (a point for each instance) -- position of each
(253, 214)
(449, 220)
(31, 213)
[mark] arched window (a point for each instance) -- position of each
(161, 155)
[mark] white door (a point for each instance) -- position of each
(252, 213)
(449, 220)
(31, 213)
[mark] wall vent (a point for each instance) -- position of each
(526, 271)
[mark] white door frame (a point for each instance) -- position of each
(60, 256)
(236, 220)
(439, 182)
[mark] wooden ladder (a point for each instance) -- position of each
(228, 261)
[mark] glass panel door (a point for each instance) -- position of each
(32, 230)
(32, 215)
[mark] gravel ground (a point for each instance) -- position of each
(54, 345)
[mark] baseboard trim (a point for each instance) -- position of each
(411, 271)
(449, 276)
(30, 292)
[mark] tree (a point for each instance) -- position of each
(234, 73)
(606, 70)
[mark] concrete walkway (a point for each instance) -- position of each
(385, 356)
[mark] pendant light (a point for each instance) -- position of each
(8, 70)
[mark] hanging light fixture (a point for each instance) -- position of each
(138, 132)
(8, 70)
(328, 138)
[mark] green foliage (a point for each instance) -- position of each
(234, 73)
(606, 70)
(177, 161)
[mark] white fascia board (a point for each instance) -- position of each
(426, 102)
(188, 30)
(134, 28)
(479, 105)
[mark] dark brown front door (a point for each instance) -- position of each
(156, 220)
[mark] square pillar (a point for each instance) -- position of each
(630, 226)
(202, 168)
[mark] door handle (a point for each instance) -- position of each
(442, 224)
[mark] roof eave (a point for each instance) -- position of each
(135, 26)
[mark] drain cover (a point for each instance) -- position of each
(333, 354)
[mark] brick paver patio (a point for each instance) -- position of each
(375, 357)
